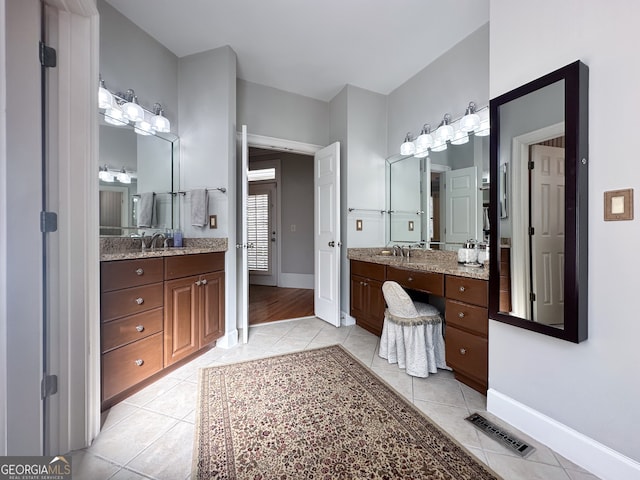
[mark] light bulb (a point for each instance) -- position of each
(105, 175)
(424, 141)
(445, 131)
(132, 111)
(159, 122)
(408, 147)
(123, 177)
(105, 98)
(114, 116)
(471, 120)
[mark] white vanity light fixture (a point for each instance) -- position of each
(460, 138)
(105, 175)
(159, 122)
(471, 120)
(105, 98)
(445, 131)
(132, 111)
(143, 126)
(484, 129)
(408, 147)
(424, 141)
(439, 146)
(115, 116)
(123, 177)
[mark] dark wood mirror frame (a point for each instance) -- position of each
(576, 93)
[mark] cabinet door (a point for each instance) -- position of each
(375, 301)
(358, 298)
(181, 318)
(211, 294)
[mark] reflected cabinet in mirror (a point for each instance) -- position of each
(539, 205)
(136, 169)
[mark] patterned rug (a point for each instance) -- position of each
(317, 414)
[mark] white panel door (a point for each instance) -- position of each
(547, 241)
(461, 198)
(242, 271)
(327, 234)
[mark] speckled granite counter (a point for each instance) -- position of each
(124, 248)
(436, 261)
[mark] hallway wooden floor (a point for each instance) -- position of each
(268, 304)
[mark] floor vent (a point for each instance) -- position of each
(510, 441)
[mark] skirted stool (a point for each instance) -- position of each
(411, 333)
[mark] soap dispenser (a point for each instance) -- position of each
(468, 253)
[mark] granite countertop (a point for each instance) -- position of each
(434, 261)
(125, 248)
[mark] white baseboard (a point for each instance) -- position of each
(584, 451)
(229, 340)
(296, 280)
(346, 319)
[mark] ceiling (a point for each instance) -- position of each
(313, 47)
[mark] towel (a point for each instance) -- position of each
(199, 208)
(146, 209)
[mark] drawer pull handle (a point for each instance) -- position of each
(198, 282)
(463, 351)
(204, 281)
(365, 284)
(410, 279)
(140, 328)
(461, 314)
(139, 362)
(462, 289)
(139, 271)
(139, 300)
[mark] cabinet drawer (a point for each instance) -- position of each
(467, 353)
(423, 281)
(128, 365)
(469, 290)
(130, 273)
(368, 270)
(130, 301)
(129, 329)
(196, 264)
(467, 316)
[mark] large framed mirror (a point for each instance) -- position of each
(133, 165)
(539, 206)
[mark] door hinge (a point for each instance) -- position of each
(532, 297)
(48, 222)
(49, 386)
(531, 231)
(531, 165)
(48, 57)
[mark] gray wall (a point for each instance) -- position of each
(446, 85)
(297, 209)
(130, 58)
(591, 387)
(275, 113)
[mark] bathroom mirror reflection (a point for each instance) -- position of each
(440, 200)
(132, 165)
(539, 205)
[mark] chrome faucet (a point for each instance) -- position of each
(155, 236)
(397, 251)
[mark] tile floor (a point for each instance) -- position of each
(150, 434)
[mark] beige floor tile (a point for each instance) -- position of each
(288, 345)
(513, 468)
(169, 457)
(452, 420)
(125, 474)
(580, 475)
(152, 391)
(398, 381)
(117, 413)
(86, 466)
(441, 390)
(478, 453)
(126, 440)
(274, 328)
(177, 402)
(476, 402)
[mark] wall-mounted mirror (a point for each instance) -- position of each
(539, 206)
(440, 200)
(150, 165)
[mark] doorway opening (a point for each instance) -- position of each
(280, 234)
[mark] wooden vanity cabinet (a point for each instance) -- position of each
(194, 304)
(131, 312)
(367, 301)
(467, 328)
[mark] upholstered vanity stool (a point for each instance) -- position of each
(411, 333)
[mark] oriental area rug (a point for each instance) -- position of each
(317, 414)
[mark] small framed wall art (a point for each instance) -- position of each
(618, 205)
